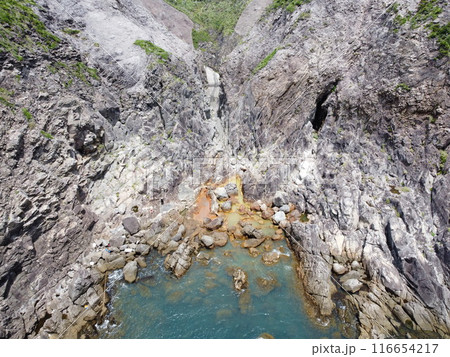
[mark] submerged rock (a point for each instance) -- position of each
(240, 279)
(266, 336)
(267, 284)
(252, 243)
(270, 258)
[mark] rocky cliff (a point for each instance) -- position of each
(110, 119)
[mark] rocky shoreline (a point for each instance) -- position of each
(183, 237)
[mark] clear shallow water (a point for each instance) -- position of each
(203, 303)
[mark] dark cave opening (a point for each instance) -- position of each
(321, 111)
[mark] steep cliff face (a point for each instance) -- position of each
(122, 119)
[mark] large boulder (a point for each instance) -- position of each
(214, 224)
(251, 232)
(142, 249)
(207, 241)
(339, 268)
(180, 232)
(117, 263)
(117, 241)
(352, 285)
(130, 271)
(131, 225)
(221, 193)
(220, 239)
(279, 217)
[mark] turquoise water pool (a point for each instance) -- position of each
(204, 304)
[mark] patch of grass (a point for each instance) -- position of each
(27, 114)
(304, 218)
(5, 98)
(393, 8)
(305, 15)
(199, 37)
(6, 103)
(150, 48)
(442, 161)
(442, 35)
(403, 86)
(75, 70)
(70, 31)
(215, 17)
(47, 135)
(288, 5)
(265, 61)
(18, 23)
(426, 12)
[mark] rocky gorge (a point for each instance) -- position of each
(119, 133)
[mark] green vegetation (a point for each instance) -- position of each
(213, 18)
(442, 161)
(304, 217)
(150, 48)
(289, 5)
(265, 61)
(393, 8)
(71, 31)
(27, 114)
(75, 70)
(403, 86)
(305, 15)
(18, 23)
(427, 11)
(199, 37)
(442, 35)
(47, 135)
(5, 98)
